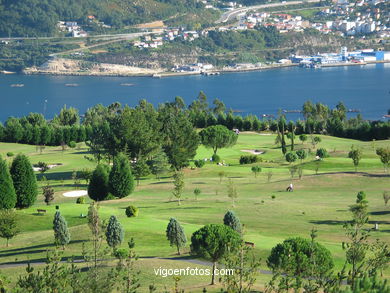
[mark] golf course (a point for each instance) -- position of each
(322, 195)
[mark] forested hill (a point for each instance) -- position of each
(39, 17)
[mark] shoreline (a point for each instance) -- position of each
(172, 74)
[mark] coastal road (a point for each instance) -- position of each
(102, 37)
(109, 40)
(227, 16)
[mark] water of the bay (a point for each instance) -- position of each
(366, 88)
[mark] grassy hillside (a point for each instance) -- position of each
(320, 201)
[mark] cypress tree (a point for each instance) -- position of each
(25, 182)
(98, 185)
(114, 232)
(7, 190)
(175, 234)
(61, 232)
(230, 219)
(121, 181)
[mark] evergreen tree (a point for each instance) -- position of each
(214, 242)
(217, 137)
(140, 169)
(25, 182)
(230, 219)
(179, 137)
(8, 225)
(7, 190)
(121, 181)
(61, 232)
(114, 232)
(175, 234)
(98, 185)
(178, 182)
(159, 164)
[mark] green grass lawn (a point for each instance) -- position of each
(319, 201)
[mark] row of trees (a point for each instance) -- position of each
(109, 129)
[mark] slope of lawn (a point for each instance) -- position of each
(319, 201)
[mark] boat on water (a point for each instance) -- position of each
(72, 84)
(156, 75)
(386, 116)
(353, 111)
(127, 84)
(7, 72)
(292, 111)
(206, 73)
(17, 85)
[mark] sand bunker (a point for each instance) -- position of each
(76, 193)
(254, 152)
(38, 169)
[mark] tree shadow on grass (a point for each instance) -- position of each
(187, 208)
(379, 222)
(56, 175)
(327, 222)
(161, 182)
(28, 248)
(380, 213)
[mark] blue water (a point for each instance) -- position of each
(263, 92)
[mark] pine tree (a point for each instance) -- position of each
(178, 182)
(159, 164)
(175, 234)
(7, 190)
(8, 224)
(121, 181)
(98, 185)
(114, 232)
(230, 219)
(61, 232)
(25, 182)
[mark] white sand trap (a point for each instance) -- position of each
(76, 193)
(254, 152)
(37, 169)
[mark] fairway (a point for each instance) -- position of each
(320, 200)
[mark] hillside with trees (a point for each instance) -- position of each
(39, 18)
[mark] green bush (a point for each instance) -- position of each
(199, 163)
(80, 200)
(216, 159)
(249, 159)
(72, 144)
(322, 153)
(10, 154)
(121, 253)
(131, 211)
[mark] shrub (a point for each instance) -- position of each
(291, 157)
(80, 200)
(121, 253)
(322, 153)
(10, 154)
(199, 163)
(216, 159)
(249, 159)
(131, 211)
(72, 144)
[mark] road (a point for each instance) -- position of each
(108, 40)
(227, 16)
(102, 37)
